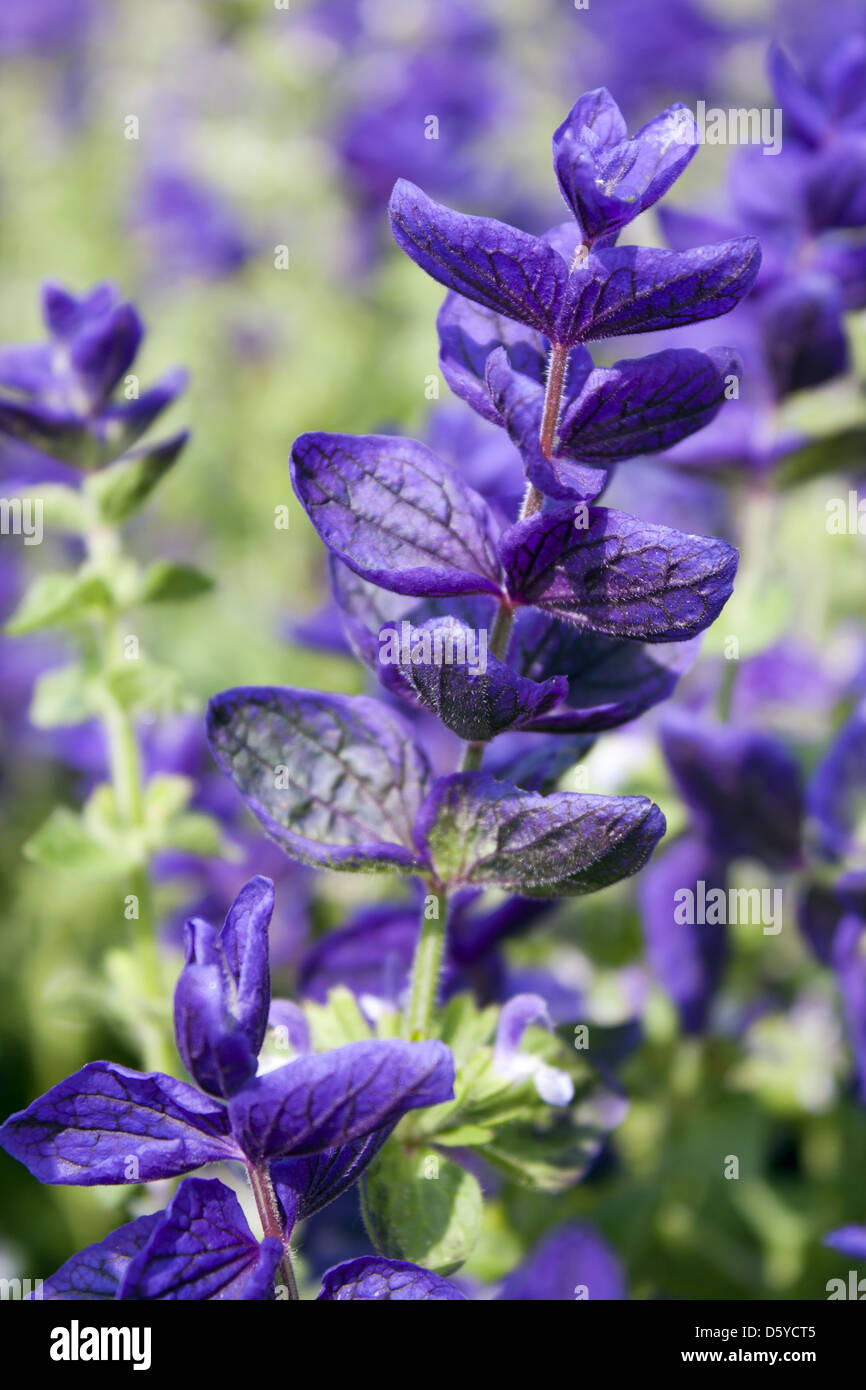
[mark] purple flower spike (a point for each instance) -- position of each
(572, 1263)
(327, 1099)
(608, 179)
(373, 1278)
(107, 1124)
(610, 573)
(838, 790)
(222, 995)
(613, 291)
(396, 514)
(202, 1248)
(449, 671)
(66, 408)
(554, 1086)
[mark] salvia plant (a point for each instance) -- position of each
(506, 612)
(555, 619)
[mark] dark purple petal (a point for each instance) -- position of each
(374, 1278)
(630, 289)
(534, 762)
(372, 955)
(26, 367)
(122, 424)
(573, 1262)
(223, 992)
(851, 1240)
(608, 180)
(96, 1272)
(610, 681)
(741, 785)
(396, 514)
(202, 1248)
(447, 667)
(835, 185)
(57, 433)
(306, 1185)
(507, 270)
(335, 779)
(215, 1051)
(328, 1099)
(103, 351)
(618, 575)
(638, 407)
(244, 942)
(802, 322)
(688, 956)
(481, 832)
(107, 1124)
(837, 793)
(804, 113)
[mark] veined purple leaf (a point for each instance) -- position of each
(306, 1185)
(481, 832)
(335, 779)
(328, 1099)
(107, 1124)
(96, 1272)
(640, 406)
(631, 289)
(373, 1278)
(501, 267)
(396, 514)
(610, 680)
(447, 667)
(618, 575)
(606, 178)
(202, 1248)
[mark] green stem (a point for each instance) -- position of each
(426, 969)
(272, 1224)
(127, 781)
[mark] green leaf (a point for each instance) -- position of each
(196, 833)
(553, 1152)
(339, 1020)
(835, 453)
(421, 1207)
(169, 582)
(63, 841)
(144, 687)
(122, 489)
(56, 599)
(166, 795)
(63, 508)
(63, 696)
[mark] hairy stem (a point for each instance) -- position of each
(272, 1224)
(427, 967)
(557, 366)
